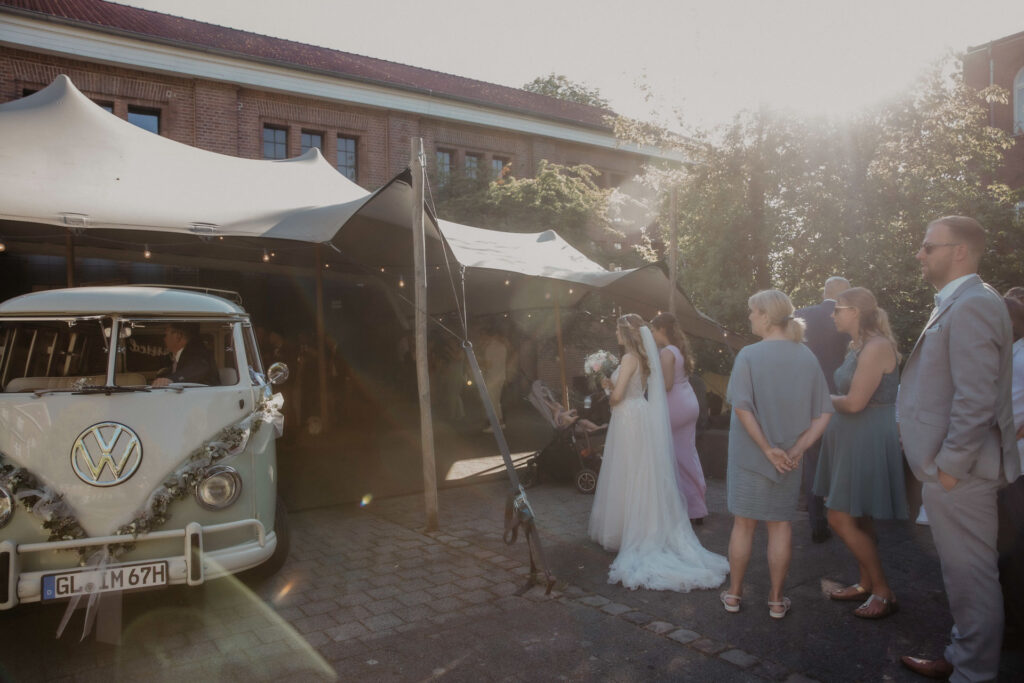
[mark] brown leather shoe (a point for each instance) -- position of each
(929, 668)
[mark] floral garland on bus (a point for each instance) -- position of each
(59, 517)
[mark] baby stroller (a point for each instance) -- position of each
(574, 451)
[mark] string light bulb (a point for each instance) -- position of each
(401, 281)
(507, 282)
(266, 256)
(146, 253)
(3, 246)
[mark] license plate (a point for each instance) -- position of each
(121, 577)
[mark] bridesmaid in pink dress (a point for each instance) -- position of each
(683, 411)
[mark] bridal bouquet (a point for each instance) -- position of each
(599, 365)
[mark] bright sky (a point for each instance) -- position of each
(709, 58)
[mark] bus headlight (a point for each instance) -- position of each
(219, 488)
(6, 506)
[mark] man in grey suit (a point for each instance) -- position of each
(956, 424)
(829, 347)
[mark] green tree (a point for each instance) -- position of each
(557, 85)
(561, 198)
(775, 200)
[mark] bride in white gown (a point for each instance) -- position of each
(637, 507)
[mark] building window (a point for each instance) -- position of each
(472, 165)
(275, 143)
(146, 119)
(497, 165)
(106, 106)
(347, 157)
(444, 159)
(311, 140)
(1018, 103)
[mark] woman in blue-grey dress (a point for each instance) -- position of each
(780, 407)
(860, 469)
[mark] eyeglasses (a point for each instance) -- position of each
(837, 308)
(929, 247)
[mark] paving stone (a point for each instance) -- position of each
(448, 604)
(239, 641)
(382, 606)
(315, 623)
(476, 597)
(383, 592)
(742, 659)
(684, 636)
(659, 627)
(594, 601)
(616, 608)
(708, 646)
(314, 608)
(639, 618)
(346, 631)
(770, 669)
(381, 622)
(443, 590)
(414, 598)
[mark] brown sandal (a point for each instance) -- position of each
(852, 593)
(870, 609)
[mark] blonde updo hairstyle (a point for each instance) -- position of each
(779, 309)
(873, 320)
(629, 327)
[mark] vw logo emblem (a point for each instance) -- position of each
(106, 454)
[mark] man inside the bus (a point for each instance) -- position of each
(191, 362)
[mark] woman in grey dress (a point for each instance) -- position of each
(860, 469)
(781, 405)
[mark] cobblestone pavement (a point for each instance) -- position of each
(366, 595)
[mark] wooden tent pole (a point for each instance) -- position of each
(321, 337)
(420, 301)
(561, 355)
(69, 250)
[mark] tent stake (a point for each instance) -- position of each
(422, 376)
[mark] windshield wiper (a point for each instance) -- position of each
(108, 390)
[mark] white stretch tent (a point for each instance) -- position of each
(64, 161)
(508, 271)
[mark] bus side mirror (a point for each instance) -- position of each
(277, 373)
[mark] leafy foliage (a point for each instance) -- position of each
(557, 85)
(563, 198)
(785, 202)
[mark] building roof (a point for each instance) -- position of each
(155, 26)
(992, 43)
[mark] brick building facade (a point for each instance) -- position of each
(252, 96)
(1001, 62)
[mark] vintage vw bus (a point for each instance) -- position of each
(111, 480)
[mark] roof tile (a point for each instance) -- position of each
(188, 32)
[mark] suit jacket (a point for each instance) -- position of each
(195, 364)
(828, 344)
(954, 402)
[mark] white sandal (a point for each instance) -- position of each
(785, 604)
(725, 597)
